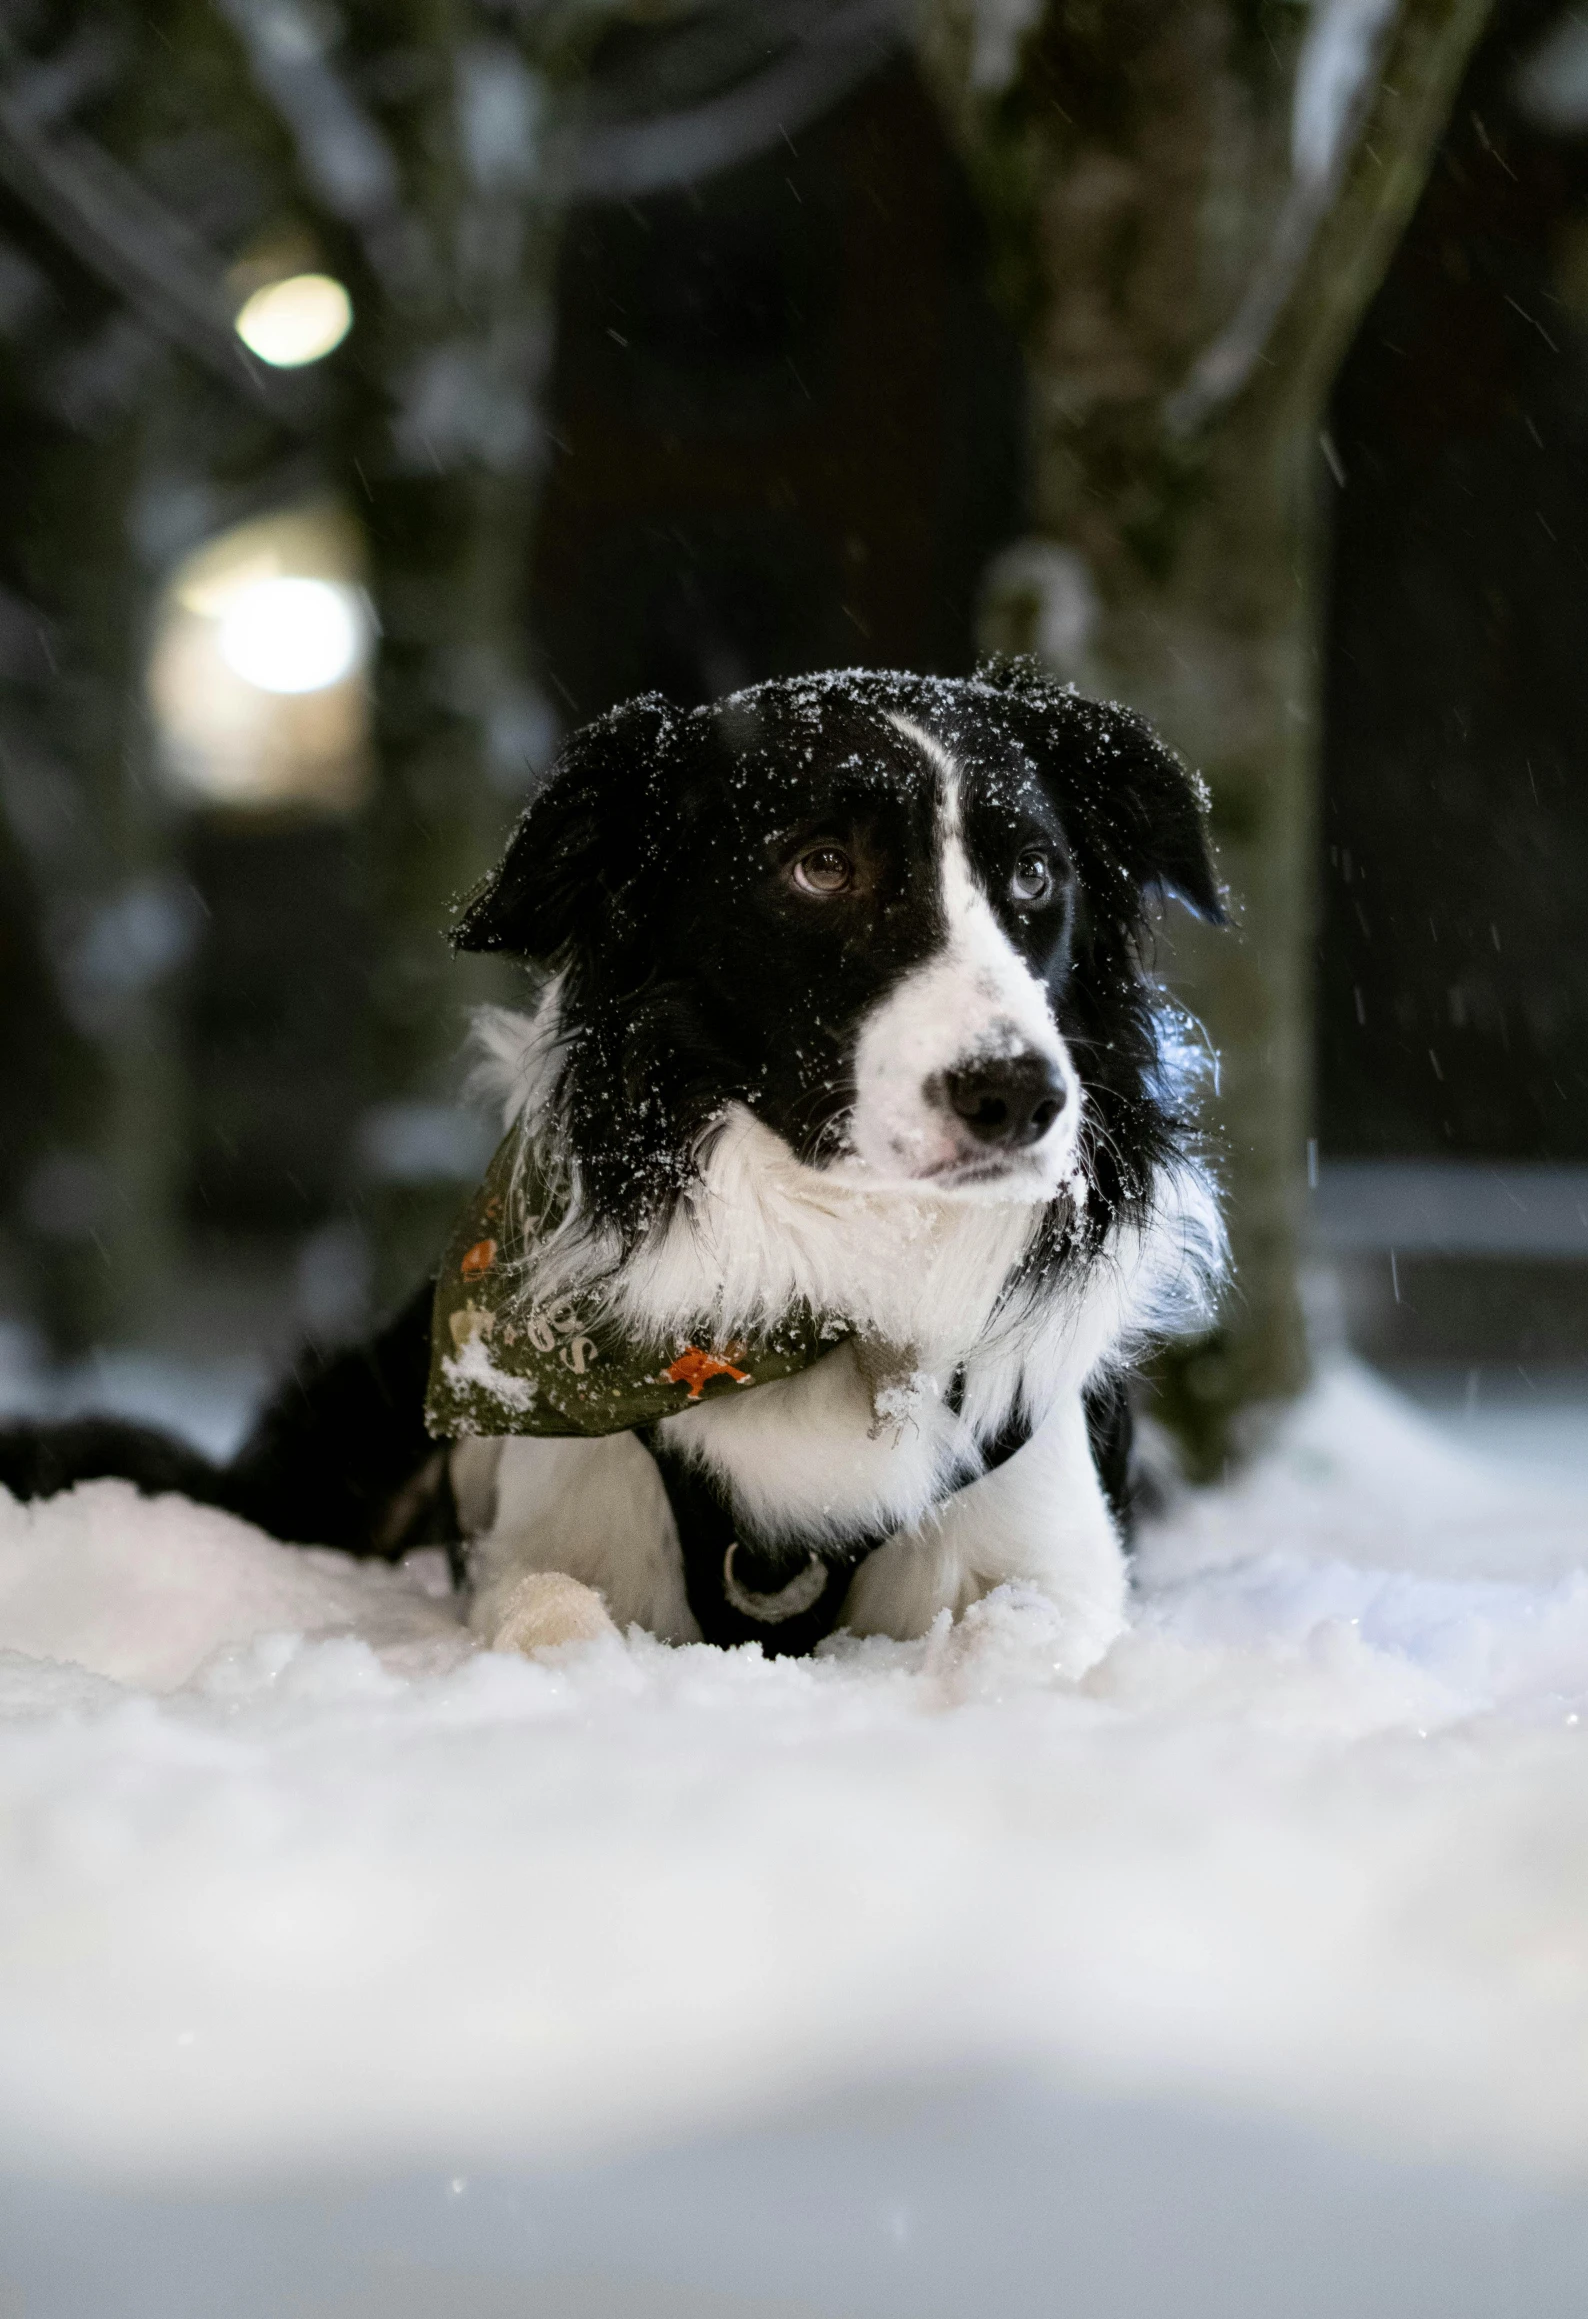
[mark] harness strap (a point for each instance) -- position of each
(742, 1592)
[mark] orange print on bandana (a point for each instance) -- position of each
(696, 1369)
(478, 1259)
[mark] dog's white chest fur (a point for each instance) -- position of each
(597, 1511)
(866, 1440)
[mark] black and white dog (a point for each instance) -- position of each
(840, 1004)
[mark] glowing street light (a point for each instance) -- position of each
(295, 321)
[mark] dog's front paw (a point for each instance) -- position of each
(545, 1609)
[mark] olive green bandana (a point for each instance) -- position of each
(502, 1363)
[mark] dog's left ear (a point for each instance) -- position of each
(1143, 815)
(1154, 810)
(576, 852)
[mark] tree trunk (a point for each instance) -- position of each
(1192, 202)
(451, 251)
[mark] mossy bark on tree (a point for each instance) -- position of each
(1187, 251)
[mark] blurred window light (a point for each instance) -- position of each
(297, 321)
(258, 675)
(293, 635)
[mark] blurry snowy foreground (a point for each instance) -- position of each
(293, 1879)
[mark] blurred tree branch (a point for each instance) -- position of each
(632, 145)
(136, 246)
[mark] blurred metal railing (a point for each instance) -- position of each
(1451, 1208)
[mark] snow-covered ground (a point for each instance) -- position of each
(295, 1883)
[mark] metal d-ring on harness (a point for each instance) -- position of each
(743, 1593)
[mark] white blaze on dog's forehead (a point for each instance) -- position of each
(943, 764)
(975, 1000)
(991, 973)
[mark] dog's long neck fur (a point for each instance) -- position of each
(950, 1283)
(757, 1231)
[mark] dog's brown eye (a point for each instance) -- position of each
(1033, 878)
(826, 869)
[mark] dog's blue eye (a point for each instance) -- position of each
(826, 869)
(1033, 878)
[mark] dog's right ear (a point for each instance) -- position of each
(578, 846)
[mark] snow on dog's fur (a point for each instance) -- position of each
(843, 1004)
(839, 1003)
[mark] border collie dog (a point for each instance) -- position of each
(839, 1006)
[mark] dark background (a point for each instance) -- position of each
(1453, 963)
(786, 425)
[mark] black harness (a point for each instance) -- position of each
(741, 1592)
(342, 1454)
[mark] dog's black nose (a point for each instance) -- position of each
(1012, 1099)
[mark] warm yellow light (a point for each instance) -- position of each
(296, 321)
(258, 675)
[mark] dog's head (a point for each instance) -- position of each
(898, 918)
